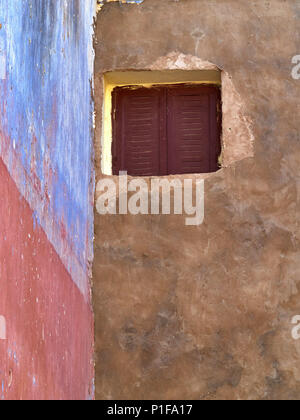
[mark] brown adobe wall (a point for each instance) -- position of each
(205, 312)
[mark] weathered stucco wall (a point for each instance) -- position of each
(46, 185)
(205, 312)
(46, 119)
(47, 350)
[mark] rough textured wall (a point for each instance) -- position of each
(47, 351)
(205, 312)
(46, 182)
(46, 118)
(101, 3)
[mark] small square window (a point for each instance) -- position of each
(166, 129)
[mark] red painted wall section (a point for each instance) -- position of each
(46, 326)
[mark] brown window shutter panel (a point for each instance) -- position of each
(193, 132)
(166, 130)
(136, 131)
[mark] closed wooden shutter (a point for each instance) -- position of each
(166, 130)
(193, 134)
(137, 125)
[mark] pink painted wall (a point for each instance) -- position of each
(47, 353)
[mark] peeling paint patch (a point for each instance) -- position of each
(2, 328)
(2, 66)
(2, 56)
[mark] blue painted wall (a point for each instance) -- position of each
(46, 111)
